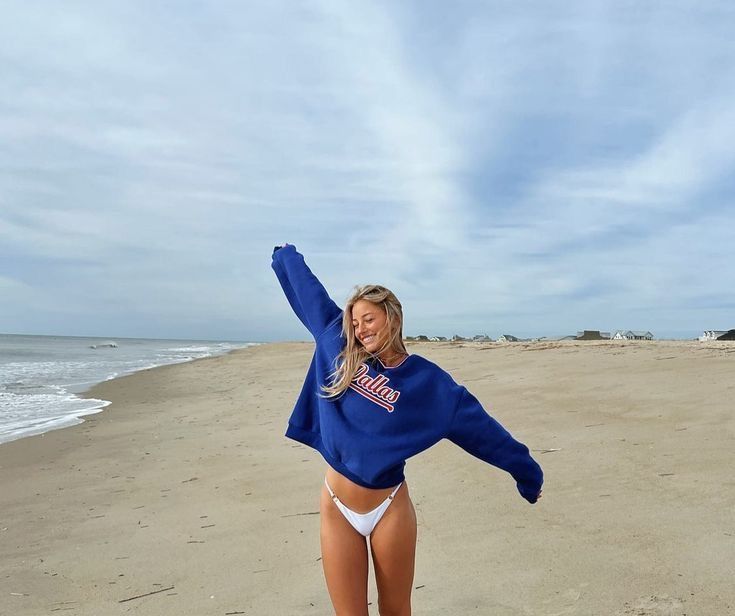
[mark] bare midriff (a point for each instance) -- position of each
(357, 498)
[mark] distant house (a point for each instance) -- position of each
(421, 338)
(592, 334)
(712, 334)
(508, 338)
(458, 338)
(632, 335)
(728, 335)
(481, 338)
(437, 339)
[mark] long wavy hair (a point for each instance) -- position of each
(354, 353)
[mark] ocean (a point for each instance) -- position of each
(40, 376)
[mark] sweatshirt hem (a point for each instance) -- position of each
(313, 439)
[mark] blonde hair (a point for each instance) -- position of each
(354, 354)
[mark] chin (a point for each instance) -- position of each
(370, 348)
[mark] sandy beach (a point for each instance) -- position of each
(184, 497)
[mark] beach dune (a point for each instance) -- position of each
(184, 497)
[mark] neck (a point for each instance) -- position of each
(391, 358)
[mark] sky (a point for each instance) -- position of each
(526, 168)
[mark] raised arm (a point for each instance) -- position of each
(304, 292)
(483, 437)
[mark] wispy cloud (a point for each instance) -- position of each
(533, 169)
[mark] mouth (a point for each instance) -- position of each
(368, 339)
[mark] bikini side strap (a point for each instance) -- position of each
(393, 493)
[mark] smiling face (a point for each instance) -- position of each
(370, 324)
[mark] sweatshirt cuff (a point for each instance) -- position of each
(280, 248)
(530, 494)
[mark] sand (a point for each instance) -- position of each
(185, 487)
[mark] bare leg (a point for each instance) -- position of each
(393, 544)
(344, 559)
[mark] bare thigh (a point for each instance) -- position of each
(344, 559)
(393, 545)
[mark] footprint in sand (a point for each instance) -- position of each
(568, 600)
(654, 606)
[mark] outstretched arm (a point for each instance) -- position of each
(308, 298)
(483, 437)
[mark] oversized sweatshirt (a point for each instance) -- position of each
(388, 414)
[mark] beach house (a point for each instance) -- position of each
(632, 335)
(592, 334)
(711, 334)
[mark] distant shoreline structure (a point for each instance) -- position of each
(715, 334)
(587, 334)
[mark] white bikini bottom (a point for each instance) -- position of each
(363, 523)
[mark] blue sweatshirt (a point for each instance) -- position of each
(388, 414)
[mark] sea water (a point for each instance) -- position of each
(40, 376)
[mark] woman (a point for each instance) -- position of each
(367, 406)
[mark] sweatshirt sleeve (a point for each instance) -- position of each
(307, 296)
(483, 437)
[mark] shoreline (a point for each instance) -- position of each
(187, 489)
(77, 392)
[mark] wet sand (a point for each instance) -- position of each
(185, 488)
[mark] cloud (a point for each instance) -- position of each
(503, 168)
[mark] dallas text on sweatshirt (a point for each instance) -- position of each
(388, 414)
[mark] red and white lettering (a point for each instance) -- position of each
(374, 389)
